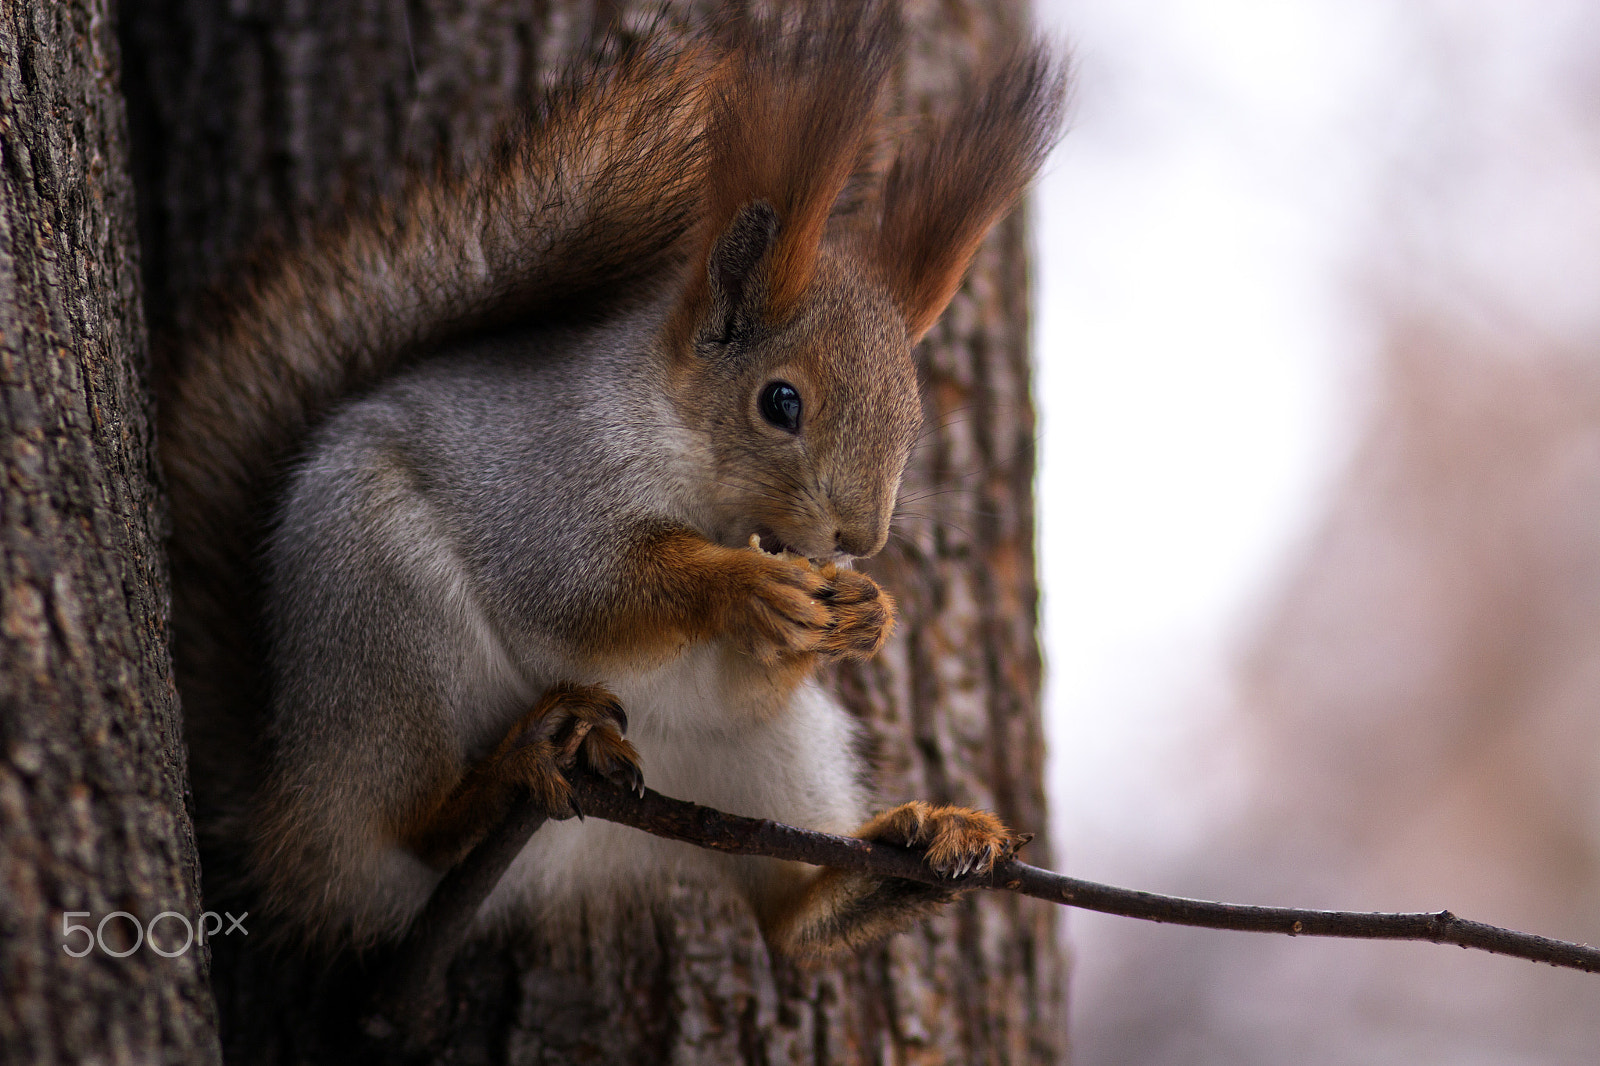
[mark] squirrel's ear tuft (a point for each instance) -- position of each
(793, 114)
(943, 193)
(737, 271)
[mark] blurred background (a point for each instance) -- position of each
(1319, 373)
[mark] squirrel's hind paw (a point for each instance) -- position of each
(840, 910)
(957, 841)
(571, 725)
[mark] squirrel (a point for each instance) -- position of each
(600, 423)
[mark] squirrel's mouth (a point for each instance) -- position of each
(770, 543)
(767, 541)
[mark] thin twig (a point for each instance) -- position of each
(708, 828)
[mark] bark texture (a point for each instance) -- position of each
(92, 816)
(256, 116)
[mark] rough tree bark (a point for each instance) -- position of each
(252, 116)
(92, 778)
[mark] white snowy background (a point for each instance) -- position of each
(1318, 346)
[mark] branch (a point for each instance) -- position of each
(737, 835)
(403, 1014)
(403, 1018)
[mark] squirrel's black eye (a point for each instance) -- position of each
(780, 405)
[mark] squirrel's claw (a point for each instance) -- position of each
(572, 725)
(794, 608)
(956, 841)
(622, 773)
(862, 616)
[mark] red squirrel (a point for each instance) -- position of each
(598, 424)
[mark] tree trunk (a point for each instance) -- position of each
(253, 117)
(92, 779)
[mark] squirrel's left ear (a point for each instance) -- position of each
(944, 193)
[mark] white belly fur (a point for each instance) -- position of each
(795, 764)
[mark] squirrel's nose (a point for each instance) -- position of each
(859, 543)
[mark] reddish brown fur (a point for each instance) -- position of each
(944, 193)
(956, 839)
(863, 616)
(783, 612)
(790, 128)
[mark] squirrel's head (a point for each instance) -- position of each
(808, 407)
(791, 342)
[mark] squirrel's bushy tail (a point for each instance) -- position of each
(587, 201)
(584, 205)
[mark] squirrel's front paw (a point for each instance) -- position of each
(571, 725)
(861, 615)
(782, 609)
(957, 841)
